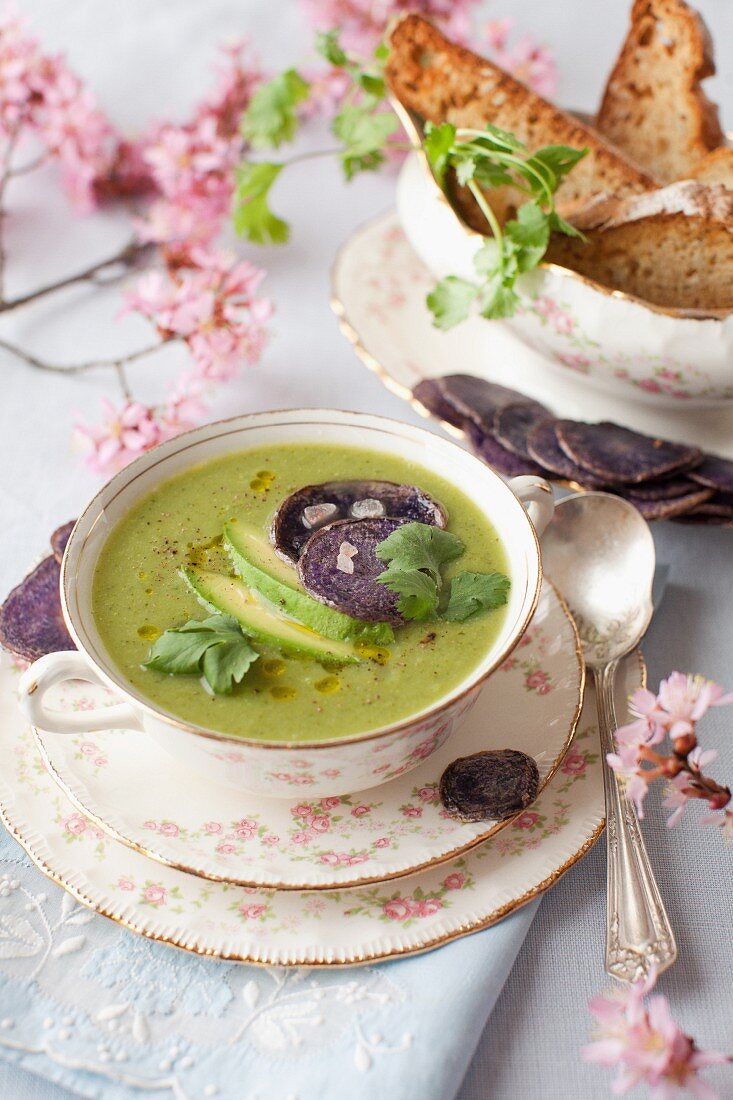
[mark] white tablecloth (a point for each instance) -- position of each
(148, 58)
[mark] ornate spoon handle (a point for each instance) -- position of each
(638, 933)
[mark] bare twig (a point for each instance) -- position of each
(117, 364)
(128, 257)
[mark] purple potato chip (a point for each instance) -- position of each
(715, 472)
(720, 504)
(322, 568)
(621, 456)
(459, 398)
(499, 458)
(291, 529)
(544, 448)
(666, 509)
(666, 489)
(513, 424)
(494, 784)
(59, 539)
(698, 518)
(31, 622)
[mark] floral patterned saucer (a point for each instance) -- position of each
(278, 927)
(378, 288)
(140, 795)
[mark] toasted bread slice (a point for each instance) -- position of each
(653, 106)
(672, 247)
(440, 81)
(716, 167)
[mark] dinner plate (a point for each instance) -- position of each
(135, 791)
(378, 287)
(286, 927)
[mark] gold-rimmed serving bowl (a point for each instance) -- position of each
(269, 766)
(612, 341)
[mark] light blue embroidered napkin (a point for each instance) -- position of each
(114, 1013)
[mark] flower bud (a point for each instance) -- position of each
(684, 744)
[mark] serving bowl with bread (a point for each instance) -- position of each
(641, 305)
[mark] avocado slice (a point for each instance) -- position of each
(260, 567)
(231, 596)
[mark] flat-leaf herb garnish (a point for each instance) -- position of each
(480, 159)
(216, 647)
(416, 553)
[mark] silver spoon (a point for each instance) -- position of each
(599, 552)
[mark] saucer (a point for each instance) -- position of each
(141, 795)
(290, 928)
(378, 287)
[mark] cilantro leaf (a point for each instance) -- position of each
(216, 647)
(329, 47)
(271, 117)
(438, 145)
(416, 546)
(253, 217)
(450, 301)
(559, 159)
(363, 133)
(529, 235)
(559, 225)
(417, 591)
(473, 592)
(499, 300)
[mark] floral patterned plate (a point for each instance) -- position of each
(378, 288)
(142, 796)
(278, 927)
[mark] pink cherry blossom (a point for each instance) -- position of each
(155, 894)
(362, 22)
(325, 92)
(683, 700)
(123, 434)
(526, 59)
(645, 1044)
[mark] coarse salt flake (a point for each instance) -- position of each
(344, 561)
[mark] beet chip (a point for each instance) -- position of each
(339, 566)
(31, 622)
(715, 472)
(459, 398)
(59, 539)
(499, 458)
(544, 448)
(666, 489)
(620, 456)
(314, 506)
(513, 424)
(489, 785)
(674, 506)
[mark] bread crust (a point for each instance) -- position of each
(653, 106)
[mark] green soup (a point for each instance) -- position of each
(138, 593)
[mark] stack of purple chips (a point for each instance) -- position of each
(517, 435)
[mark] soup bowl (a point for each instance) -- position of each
(262, 766)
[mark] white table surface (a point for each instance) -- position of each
(152, 58)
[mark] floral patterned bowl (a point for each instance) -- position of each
(613, 341)
(268, 767)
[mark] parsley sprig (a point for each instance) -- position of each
(215, 647)
(480, 159)
(416, 553)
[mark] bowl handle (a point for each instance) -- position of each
(54, 668)
(537, 497)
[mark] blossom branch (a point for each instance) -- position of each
(673, 714)
(127, 258)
